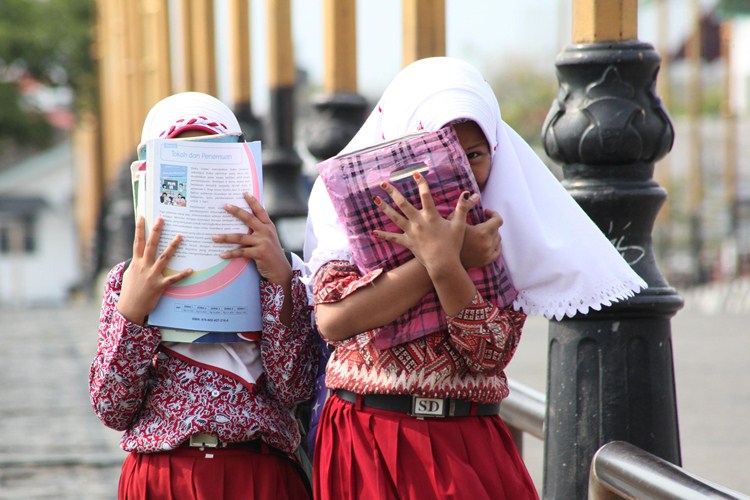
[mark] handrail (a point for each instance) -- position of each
(622, 470)
(618, 469)
(524, 409)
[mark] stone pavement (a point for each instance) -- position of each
(53, 447)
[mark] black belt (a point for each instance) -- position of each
(205, 440)
(420, 407)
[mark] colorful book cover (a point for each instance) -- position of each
(187, 182)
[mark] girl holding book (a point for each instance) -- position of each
(205, 420)
(418, 418)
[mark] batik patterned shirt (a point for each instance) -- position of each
(466, 361)
(159, 400)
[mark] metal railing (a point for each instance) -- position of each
(622, 470)
(618, 469)
(523, 411)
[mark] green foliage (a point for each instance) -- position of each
(22, 127)
(710, 101)
(733, 8)
(525, 97)
(51, 39)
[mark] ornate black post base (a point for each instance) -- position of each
(285, 197)
(337, 118)
(610, 373)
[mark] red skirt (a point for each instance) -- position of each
(191, 474)
(377, 454)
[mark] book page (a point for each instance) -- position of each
(188, 183)
(192, 181)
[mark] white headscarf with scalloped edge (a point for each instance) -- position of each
(558, 259)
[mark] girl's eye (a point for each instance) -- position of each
(471, 156)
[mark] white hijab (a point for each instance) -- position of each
(168, 118)
(558, 259)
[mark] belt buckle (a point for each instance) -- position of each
(204, 440)
(428, 407)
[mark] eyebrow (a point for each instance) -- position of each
(478, 145)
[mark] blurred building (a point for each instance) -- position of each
(39, 262)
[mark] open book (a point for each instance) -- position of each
(187, 182)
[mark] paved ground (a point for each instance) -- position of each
(53, 447)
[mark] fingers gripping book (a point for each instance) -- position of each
(353, 180)
(187, 182)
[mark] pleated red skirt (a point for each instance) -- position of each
(375, 454)
(192, 474)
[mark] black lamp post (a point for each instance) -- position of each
(610, 373)
(283, 189)
(285, 197)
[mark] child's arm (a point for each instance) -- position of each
(290, 352)
(119, 373)
(486, 335)
(288, 344)
(383, 300)
(393, 293)
(143, 283)
(435, 241)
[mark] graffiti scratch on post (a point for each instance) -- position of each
(631, 253)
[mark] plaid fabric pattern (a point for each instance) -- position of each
(353, 181)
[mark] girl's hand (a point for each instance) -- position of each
(482, 242)
(260, 243)
(143, 282)
(435, 241)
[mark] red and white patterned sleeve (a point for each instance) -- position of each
(337, 279)
(124, 356)
(486, 335)
(290, 353)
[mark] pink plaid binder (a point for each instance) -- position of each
(353, 180)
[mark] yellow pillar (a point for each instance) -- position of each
(157, 58)
(281, 70)
(604, 20)
(104, 41)
(423, 29)
(116, 126)
(339, 46)
(202, 44)
(284, 197)
(134, 105)
(186, 47)
(240, 60)
(89, 185)
(339, 110)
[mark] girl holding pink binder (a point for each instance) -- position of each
(416, 415)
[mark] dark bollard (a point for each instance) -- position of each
(337, 118)
(610, 372)
(283, 190)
